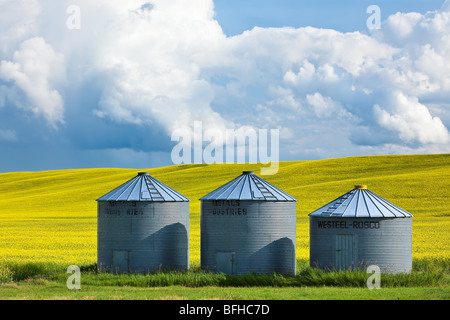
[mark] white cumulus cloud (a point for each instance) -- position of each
(34, 68)
(166, 64)
(412, 121)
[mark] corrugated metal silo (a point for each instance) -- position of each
(360, 229)
(248, 225)
(143, 225)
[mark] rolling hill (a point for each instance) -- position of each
(51, 215)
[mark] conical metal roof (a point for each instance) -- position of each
(360, 203)
(248, 186)
(143, 187)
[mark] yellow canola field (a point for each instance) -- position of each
(51, 216)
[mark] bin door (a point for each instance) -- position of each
(345, 251)
(120, 261)
(225, 262)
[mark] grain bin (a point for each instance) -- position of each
(360, 229)
(248, 225)
(143, 225)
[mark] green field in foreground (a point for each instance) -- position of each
(39, 290)
(50, 217)
(428, 280)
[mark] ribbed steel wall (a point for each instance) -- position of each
(142, 236)
(345, 242)
(244, 236)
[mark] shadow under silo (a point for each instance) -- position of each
(278, 256)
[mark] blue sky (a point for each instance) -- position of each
(237, 16)
(108, 84)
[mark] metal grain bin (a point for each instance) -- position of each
(143, 225)
(248, 225)
(360, 229)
